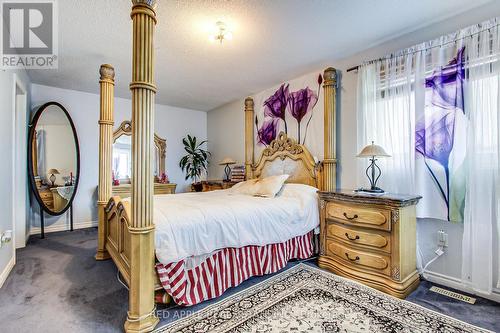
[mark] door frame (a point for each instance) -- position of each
(19, 164)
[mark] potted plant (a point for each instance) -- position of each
(195, 162)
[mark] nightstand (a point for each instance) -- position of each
(370, 239)
(212, 185)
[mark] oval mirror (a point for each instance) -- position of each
(53, 158)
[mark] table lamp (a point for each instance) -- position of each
(373, 172)
(227, 170)
(53, 173)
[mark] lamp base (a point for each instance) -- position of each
(370, 190)
(227, 173)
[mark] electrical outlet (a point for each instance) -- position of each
(5, 237)
(442, 238)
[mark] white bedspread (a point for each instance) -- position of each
(193, 224)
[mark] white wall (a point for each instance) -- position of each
(171, 123)
(7, 126)
(226, 136)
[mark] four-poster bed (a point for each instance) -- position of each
(126, 229)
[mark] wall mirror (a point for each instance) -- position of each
(122, 154)
(53, 159)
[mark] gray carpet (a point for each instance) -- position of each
(57, 286)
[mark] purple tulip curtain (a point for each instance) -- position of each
(434, 108)
(440, 133)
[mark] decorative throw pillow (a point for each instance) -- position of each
(270, 186)
(246, 187)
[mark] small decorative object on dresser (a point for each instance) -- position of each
(164, 178)
(227, 170)
(115, 179)
(238, 173)
(370, 238)
(372, 151)
(52, 178)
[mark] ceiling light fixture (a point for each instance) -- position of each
(222, 33)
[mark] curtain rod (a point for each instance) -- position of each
(392, 55)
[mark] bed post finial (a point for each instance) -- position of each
(107, 73)
(249, 140)
(149, 3)
(141, 316)
(107, 85)
(330, 132)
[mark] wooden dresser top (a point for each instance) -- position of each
(389, 199)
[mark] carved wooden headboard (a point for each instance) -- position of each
(285, 156)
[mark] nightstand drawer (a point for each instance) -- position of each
(364, 260)
(377, 240)
(357, 215)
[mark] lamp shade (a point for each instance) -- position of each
(53, 172)
(373, 150)
(227, 160)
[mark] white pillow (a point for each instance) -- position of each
(270, 186)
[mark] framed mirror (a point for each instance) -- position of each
(53, 159)
(122, 154)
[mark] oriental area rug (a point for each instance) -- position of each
(308, 299)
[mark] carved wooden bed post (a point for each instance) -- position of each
(141, 316)
(107, 85)
(249, 140)
(330, 158)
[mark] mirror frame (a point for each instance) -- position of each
(32, 130)
(160, 144)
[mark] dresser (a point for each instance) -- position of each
(370, 239)
(46, 196)
(59, 202)
(124, 190)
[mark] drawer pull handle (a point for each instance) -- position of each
(351, 259)
(355, 216)
(351, 238)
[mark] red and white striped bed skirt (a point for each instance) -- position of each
(227, 268)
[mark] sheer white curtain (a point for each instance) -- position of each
(481, 201)
(386, 109)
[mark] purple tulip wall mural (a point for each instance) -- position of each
(268, 131)
(435, 133)
(320, 81)
(299, 105)
(275, 105)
